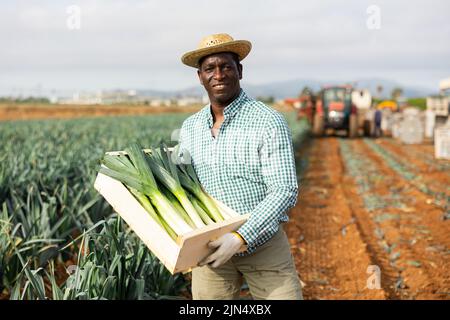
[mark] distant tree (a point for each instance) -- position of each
(396, 93)
(379, 90)
(39, 100)
(267, 100)
(376, 100)
(306, 91)
(420, 103)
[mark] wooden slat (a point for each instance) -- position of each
(178, 256)
(121, 153)
(222, 207)
(123, 202)
(194, 245)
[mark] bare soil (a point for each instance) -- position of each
(29, 112)
(335, 237)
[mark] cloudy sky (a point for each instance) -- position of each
(138, 43)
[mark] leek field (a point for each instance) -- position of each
(59, 239)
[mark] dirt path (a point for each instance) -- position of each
(416, 236)
(430, 177)
(437, 171)
(422, 153)
(330, 254)
(354, 211)
(30, 112)
(432, 183)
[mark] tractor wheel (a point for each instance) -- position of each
(353, 126)
(318, 125)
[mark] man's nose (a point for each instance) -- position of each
(218, 73)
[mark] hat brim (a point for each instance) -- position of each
(240, 47)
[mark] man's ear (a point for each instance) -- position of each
(199, 78)
(240, 71)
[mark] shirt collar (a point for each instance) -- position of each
(230, 111)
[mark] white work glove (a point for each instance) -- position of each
(227, 246)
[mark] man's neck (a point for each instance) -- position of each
(217, 108)
(217, 113)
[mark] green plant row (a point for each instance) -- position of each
(52, 220)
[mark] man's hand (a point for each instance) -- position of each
(227, 246)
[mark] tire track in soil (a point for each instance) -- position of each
(420, 235)
(366, 227)
(331, 256)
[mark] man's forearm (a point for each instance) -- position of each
(264, 218)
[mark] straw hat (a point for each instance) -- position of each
(216, 43)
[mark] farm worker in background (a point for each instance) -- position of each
(378, 118)
(242, 152)
(369, 124)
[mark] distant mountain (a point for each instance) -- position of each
(278, 90)
(291, 88)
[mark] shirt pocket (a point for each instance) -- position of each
(243, 171)
(247, 187)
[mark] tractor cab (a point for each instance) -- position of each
(335, 110)
(337, 107)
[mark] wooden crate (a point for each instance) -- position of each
(179, 256)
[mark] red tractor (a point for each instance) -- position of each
(334, 110)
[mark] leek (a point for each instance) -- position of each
(172, 183)
(170, 192)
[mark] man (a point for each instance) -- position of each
(378, 120)
(242, 153)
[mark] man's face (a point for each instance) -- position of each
(220, 74)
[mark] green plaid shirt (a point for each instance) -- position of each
(250, 166)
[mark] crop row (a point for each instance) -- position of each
(440, 197)
(58, 237)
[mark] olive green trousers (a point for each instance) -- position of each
(270, 273)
